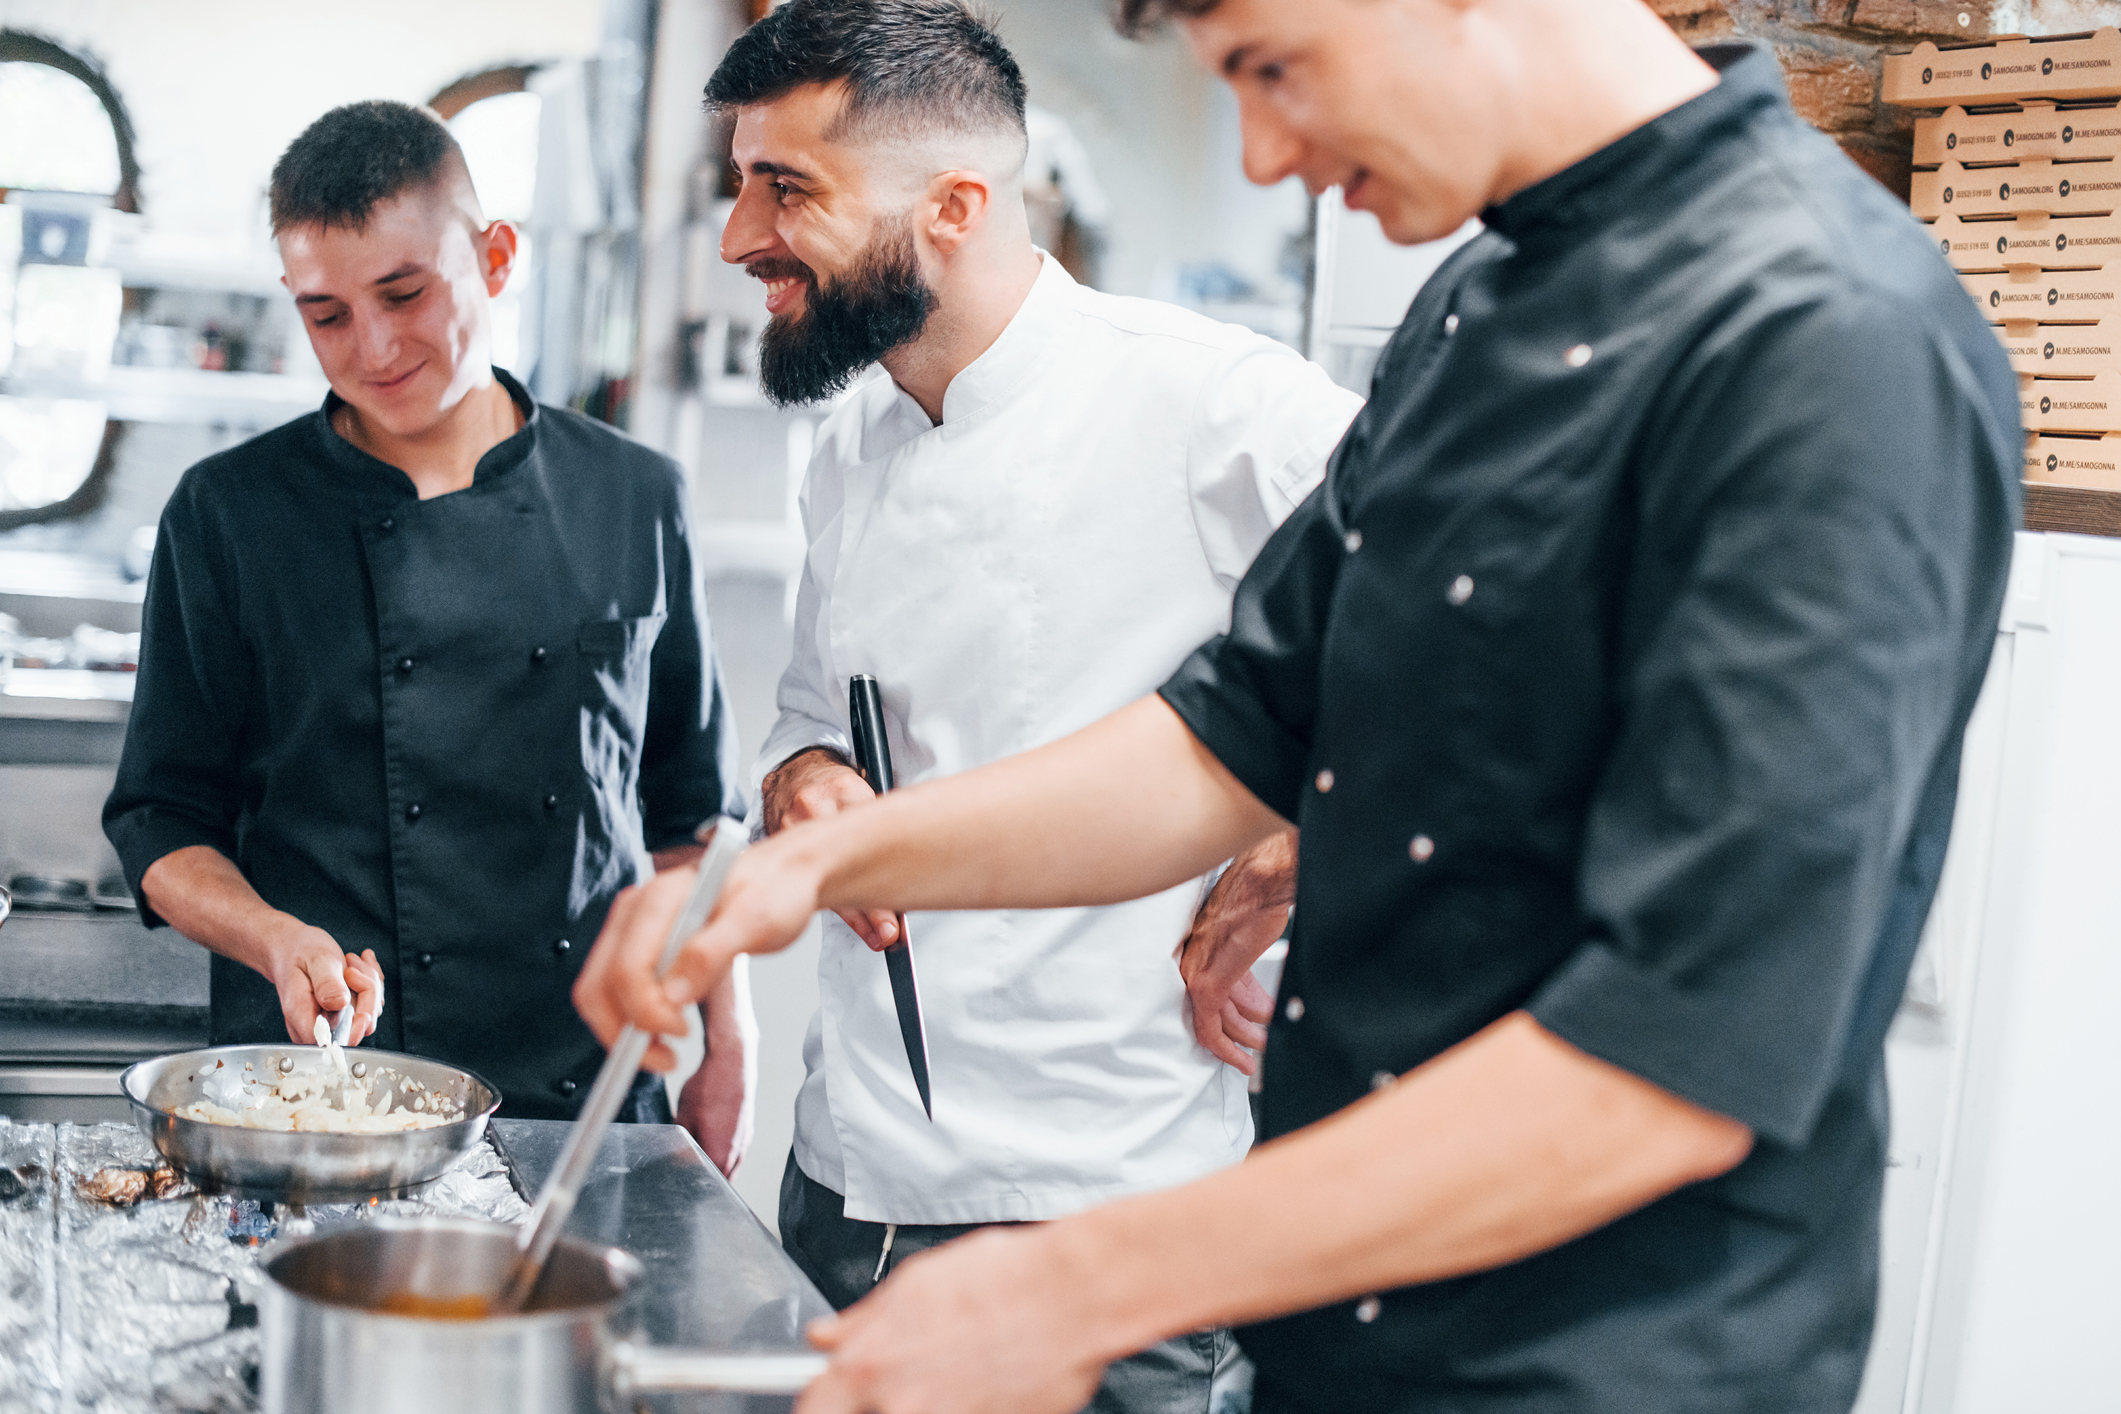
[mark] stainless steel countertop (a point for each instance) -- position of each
(716, 1277)
(153, 1307)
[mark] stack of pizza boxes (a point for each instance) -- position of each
(2021, 179)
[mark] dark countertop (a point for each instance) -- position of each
(84, 988)
(45, 731)
(716, 1278)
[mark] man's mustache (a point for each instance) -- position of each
(778, 269)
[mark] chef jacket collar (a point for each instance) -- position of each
(374, 474)
(1633, 174)
(1025, 343)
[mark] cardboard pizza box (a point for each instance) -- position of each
(2038, 187)
(2062, 350)
(2071, 404)
(2052, 188)
(2017, 132)
(2007, 69)
(2090, 462)
(2034, 242)
(2047, 294)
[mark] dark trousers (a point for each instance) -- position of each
(648, 1102)
(1201, 1373)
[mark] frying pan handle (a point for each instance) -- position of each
(638, 1369)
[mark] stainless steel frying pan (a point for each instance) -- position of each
(301, 1167)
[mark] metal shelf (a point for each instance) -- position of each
(188, 396)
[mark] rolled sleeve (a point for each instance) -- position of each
(1782, 721)
(179, 781)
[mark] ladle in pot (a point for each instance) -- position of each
(557, 1199)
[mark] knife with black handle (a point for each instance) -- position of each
(872, 757)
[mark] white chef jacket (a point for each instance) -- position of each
(1101, 479)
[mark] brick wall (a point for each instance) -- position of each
(1830, 51)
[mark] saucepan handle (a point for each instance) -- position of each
(639, 1369)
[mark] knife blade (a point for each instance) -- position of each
(872, 757)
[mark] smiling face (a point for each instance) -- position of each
(824, 219)
(1393, 101)
(397, 309)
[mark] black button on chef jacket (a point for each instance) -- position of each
(450, 730)
(1617, 673)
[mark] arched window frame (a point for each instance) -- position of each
(18, 46)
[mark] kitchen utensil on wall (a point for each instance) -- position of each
(340, 1333)
(300, 1166)
(614, 1079)
(872, 756)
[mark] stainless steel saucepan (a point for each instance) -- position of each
(330, 1347)
(302, 1166)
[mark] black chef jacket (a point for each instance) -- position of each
(1617, 672)
(449, 730)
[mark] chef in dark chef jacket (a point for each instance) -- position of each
(1616, 676)
(425, 679)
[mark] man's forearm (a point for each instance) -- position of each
(728, 1023)
(1127, 807)
(1509, 1144)
(201, 893)
(1263, 877)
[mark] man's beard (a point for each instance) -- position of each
(878, 305)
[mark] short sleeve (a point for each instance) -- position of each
(1831, 503)
(1266, 424)
(1251, 696)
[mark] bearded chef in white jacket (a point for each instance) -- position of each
(1031, 522)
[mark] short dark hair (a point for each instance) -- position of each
(1137, 17)
(910, 65)
(354, 158)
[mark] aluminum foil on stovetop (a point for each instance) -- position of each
(152, 1306)
(29, 1287)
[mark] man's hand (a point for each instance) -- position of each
(1508, 1144)
(716, 1105)
(998, 1326)
(199, 891)
(314, 978)
(765, 904)
(812, 785)
(1243, 915)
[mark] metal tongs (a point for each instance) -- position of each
(535, 1240)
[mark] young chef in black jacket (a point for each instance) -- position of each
(1616, 677)
(424, 676)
